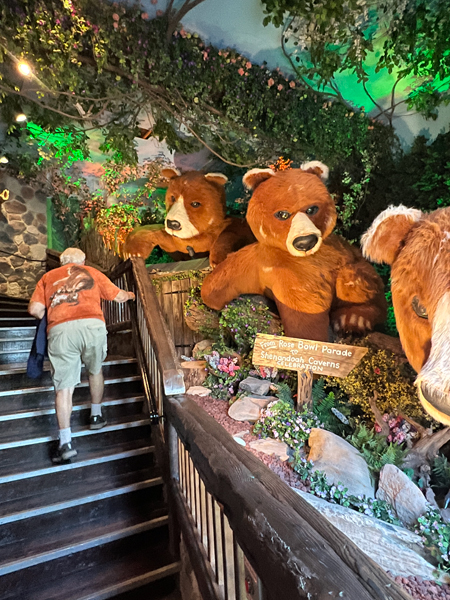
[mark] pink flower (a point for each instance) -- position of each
(115, 25)
(270, 82)
(292, 84)
(116, 17)
(233, 60)
(154, 1)
(377, 371)
(241, 71)
(159, 13)
(248, 65)
(144, 16)
(205, 55)
(183, 33)
(279, 87)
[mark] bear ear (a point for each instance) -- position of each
(170, 173)
(254, 177)
(317, 168)
(218, 178)
(383, 239)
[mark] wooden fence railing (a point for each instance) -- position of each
(248, 535)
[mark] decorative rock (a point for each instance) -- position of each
(395, 549)
(18, 226)
(24, 249)
(27, 192)
(201, 347)
(42, 229)
(255, 386)
(33, 230)
(262, 401)
(30, 239)
(5, 268)
(14, 206)
(198, 390)
(247, 409)
(271, 447)
(28, 219)
(340, 461)
(406, 498)
(239, 440)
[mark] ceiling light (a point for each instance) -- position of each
(24, 69)
(4, 160)
(20, 118)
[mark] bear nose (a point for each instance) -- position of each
(175, 225)
(305, 242)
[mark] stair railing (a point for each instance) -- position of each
(247, 534)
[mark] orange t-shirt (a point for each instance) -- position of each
(73, 292)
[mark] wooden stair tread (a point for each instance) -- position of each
(96, 481)
(105, 445)
(82, 527)
(85, 574)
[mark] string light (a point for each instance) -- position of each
(3, 160)
(24, 69)
(20, 118)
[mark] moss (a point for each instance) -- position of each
(380, 371)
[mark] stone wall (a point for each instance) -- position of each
(23, 233)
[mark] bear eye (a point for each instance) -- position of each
(172, 198)
(312, 210)
(195, 204)
(282, 215)
(419, 308)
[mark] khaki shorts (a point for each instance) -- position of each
(72, 342)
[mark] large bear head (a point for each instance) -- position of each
(417, 246)
(195, 202)
(291, 209)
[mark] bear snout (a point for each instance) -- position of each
(175, 225)
(304, 243)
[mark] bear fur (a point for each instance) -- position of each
(314, 277)
(195, 223)
(417, 246)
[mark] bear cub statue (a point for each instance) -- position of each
(315, 278)
(195, 223)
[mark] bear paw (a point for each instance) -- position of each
(351, 321)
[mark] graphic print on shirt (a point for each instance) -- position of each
(78, 279)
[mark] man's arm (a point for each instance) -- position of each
(123, 296)
(36, 309)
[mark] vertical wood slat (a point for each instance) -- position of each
(172, 295)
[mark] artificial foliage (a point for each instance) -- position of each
(280, 420)
(241, 320)
(406, 40)
(435, 533)
(338, 493)
(102, 66)
(441, 473)
(379, 371)
(375, 449)
(224, 374)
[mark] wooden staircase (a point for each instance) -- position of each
(92, 529)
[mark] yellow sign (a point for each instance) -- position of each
(306, 355)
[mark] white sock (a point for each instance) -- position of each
(65, 436)
(96, 410)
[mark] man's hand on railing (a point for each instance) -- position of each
(123, 296)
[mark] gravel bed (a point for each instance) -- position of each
(418, 588)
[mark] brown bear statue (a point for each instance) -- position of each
(195, 223)
(315, 278)
(417, 246)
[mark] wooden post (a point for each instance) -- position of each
(304, 389)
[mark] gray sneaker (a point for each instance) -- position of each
(64, 452)
(97, 422)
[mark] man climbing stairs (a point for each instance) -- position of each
(92, 529)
